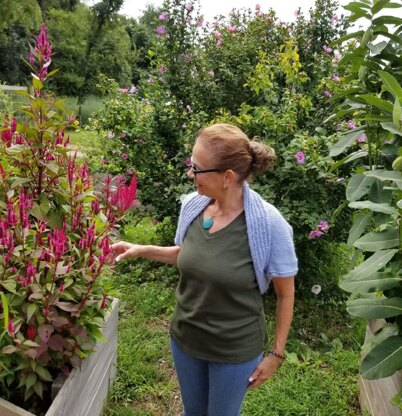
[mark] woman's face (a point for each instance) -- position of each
(207, 183)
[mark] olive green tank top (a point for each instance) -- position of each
(219, 311)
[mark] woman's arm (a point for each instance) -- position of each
(124, 250)
(284, 289)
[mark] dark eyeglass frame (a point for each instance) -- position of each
(197, 171)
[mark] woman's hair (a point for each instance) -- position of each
(232, 149)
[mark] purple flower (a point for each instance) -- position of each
(327, 49)
(162, 69)
(337, 56)
(129, 171)
(300, 158)
(323, 225)
(351, 125)
(184, 126)
(189, 7)
(146, 101)
(334, 20)
(124, 156)
(336, 78)
(123, 90)
(149, 80)
(217, 34)
(362, 138)
(133, 89)
(110, 135)
(260, 14)
(232, 28)
(340, 180)
(164, 16)
(219, 42)
(338, 127)
(215, 24)
(315, 234)
(200, 22)
(160, 30)
(327, 93)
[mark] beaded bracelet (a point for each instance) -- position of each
(276, 354)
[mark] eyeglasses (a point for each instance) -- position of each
(197, 171)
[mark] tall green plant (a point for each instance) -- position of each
(375, 189)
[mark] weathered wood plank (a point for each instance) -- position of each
(9, 409)
(13, 88)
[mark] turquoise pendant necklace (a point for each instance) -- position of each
(208, 222)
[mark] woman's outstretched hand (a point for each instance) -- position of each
(264, 371)
(123, 250)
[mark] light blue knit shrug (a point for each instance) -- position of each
(270, 236)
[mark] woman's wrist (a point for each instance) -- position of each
(274, 353)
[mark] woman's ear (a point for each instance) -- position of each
(228, 178)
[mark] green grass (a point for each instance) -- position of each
(319, 377)
(85, 139)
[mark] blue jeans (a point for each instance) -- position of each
(209, 388)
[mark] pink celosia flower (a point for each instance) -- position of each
(31, 332)
(300, 158)
(10, 328)
(125, 196)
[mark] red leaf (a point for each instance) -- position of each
(45, 331)
(56, 343)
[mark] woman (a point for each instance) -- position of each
(230, 244)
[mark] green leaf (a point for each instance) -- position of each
(4, 304)
(386, 175)
(349, 158)
(9, 285)
(358, 186)
(374, 282)
(31, 380)
(37, 83)
(17, 148)
(32, 308)
(383, 360)
(342, 39)
(377, 102)
(397, 114)
(391, 84)
(379, 6)
(391, 128)
(377, 48)
(387, 20)
(378, 241)
(396, 39)
(360, 222)
(38, 388)
(374, 308)
(374, 263)
(43, 373)
(344, 143)
(373, 206)
(19, 181)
